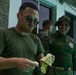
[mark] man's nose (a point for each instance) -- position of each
(32, 23)
(63, 25)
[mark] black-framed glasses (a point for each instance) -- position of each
(31, 19)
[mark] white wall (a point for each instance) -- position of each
(14, 6)
(70, 9)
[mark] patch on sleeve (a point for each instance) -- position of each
(71, 44)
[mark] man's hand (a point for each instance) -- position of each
(22, 63)
(25, 64)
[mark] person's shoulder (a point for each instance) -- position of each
(34, 36)
(41, 33)
(70, 38)
(53, 35)
(6, 31)
(3, 30)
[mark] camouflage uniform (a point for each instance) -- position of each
(45, 39)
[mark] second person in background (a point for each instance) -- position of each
(44, 35)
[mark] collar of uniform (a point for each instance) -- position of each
(59, 34)
(21, 33)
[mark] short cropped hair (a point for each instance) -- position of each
(27, 4)
(46, 23)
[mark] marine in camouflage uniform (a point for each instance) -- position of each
(64, 49)
(44, 35)
(45, 42)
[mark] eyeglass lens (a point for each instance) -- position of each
(29, 19)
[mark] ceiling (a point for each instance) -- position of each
(71, 2)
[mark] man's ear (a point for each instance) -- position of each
(17, 15)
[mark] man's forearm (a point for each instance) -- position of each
(7, 63)
(20, 63)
